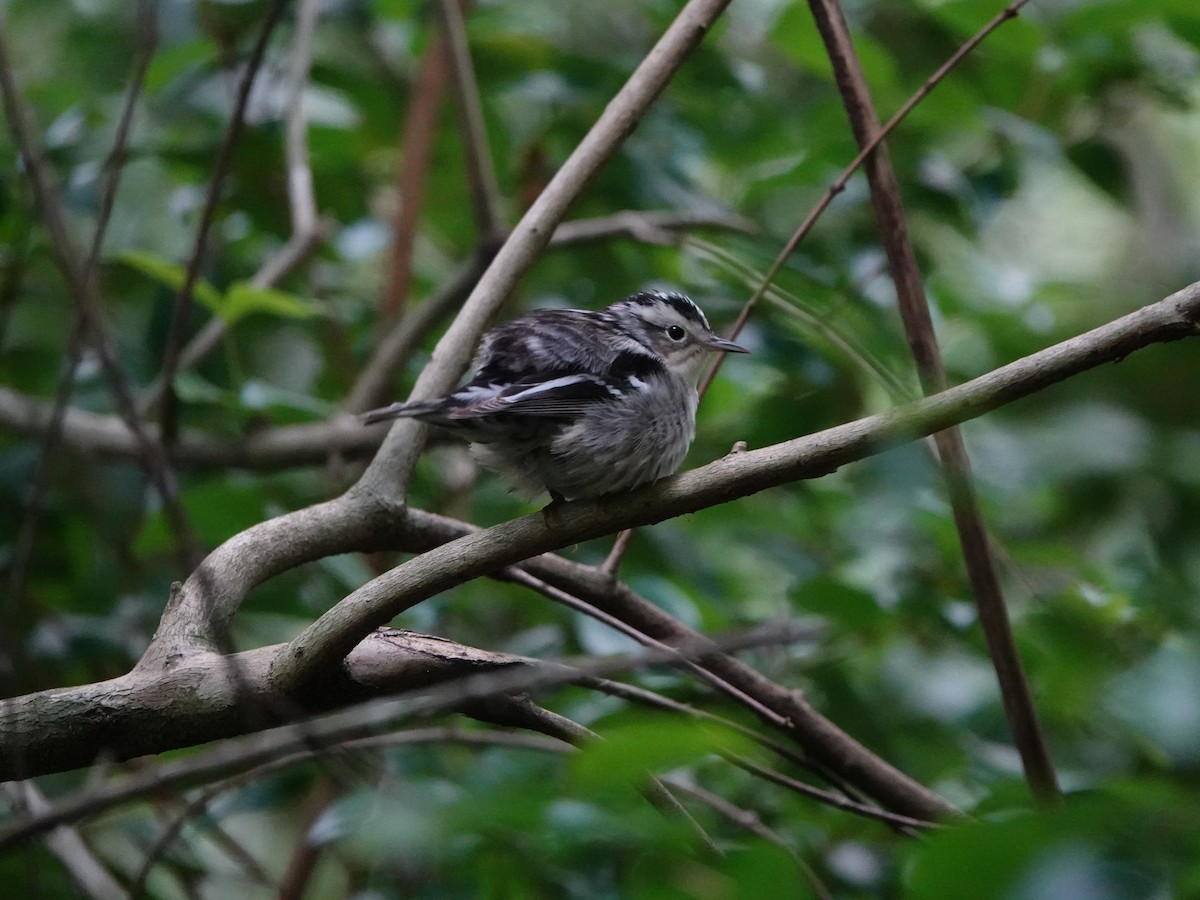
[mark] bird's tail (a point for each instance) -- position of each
(401, 411)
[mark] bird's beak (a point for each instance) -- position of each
(724, 346)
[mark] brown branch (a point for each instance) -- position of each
(751, 822)
(569, 600)
(956, 466)
(412, 173)
(481, 173)
(653, 700)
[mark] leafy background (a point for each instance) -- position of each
(1052, 183)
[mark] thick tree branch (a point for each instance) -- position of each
(333, 635)
(350, 523)
(439, 675)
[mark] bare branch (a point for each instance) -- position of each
(481, 174)
(387, 661)
(94, 435)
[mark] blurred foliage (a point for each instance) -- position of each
(1052, 183)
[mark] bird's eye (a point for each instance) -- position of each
(676, 333)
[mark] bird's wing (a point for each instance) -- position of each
(546, 344)
(552, 396)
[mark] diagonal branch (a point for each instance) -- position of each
(839, 183)
(327, 640)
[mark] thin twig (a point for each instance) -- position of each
(750, 821)
(182, 307)
(907, 824)
(839, 183)
(520, 576)
(67, 845)
(433, 735)
(481, 173)
(71, 263)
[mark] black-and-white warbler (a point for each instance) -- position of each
(582, 403)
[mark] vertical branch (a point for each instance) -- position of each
(412, 173)
(918, 325)
(481, 173)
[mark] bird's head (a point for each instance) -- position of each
(673, 327)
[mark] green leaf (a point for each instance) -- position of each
(633, 751)
(170, 275)
(244, 299)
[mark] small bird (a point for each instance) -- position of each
(582, 403)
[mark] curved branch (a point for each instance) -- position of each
(333, 635)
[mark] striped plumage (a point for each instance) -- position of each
(582, 403)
